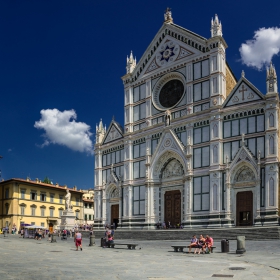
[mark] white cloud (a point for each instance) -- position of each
(259, 51)
(62, 129)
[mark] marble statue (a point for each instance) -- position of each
(68, 200)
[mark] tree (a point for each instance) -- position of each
(47, 180)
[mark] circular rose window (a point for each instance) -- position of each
(171, 93)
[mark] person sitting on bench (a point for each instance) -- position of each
(208, 243)
(200, 245)
(193, 243)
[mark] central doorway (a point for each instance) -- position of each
(172, 211)
(244, 208)
(115, 215)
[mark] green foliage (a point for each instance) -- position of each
(47, 180)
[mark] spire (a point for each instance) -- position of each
(100, 132)
(271, 79)
(168, 16)
(243, 74)
(216, 27)
(130, 63)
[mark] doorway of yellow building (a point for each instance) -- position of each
(51, 227)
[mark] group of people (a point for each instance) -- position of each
(201, 244)
(109, 235)
(168, 225)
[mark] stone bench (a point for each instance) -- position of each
(129, 245)
(211, 249)
(178, 248)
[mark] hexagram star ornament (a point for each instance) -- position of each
(167, 53)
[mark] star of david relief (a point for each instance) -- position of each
(167, 53)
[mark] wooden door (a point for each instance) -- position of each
(244, 208)
(115, 214)
(172, 213)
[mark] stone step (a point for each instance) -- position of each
(251, 233)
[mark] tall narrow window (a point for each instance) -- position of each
(215, 154)
(215, 131)
(271, 192)
(201, 197)
(7, 208)
(42, 212)
(271, 145)
(139, 200)
(215, 197)
(51, 212)
(6, 193)
(22, 194)
(271, 120)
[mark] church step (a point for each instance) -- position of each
(251, 233)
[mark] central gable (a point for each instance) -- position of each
(243, 92)
(171, 44)
(114, 132)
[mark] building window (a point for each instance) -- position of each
(32, 223)
(201, 134)
(271, 192)
(262, 187)
(223, 191)
(155, 140)
(61, 199)
(33, 211)
(139, 150)
(201, 157)
(22, 194)
(51, 197)
(113, 157)
(85, 217)
(139, 169)
(89, 217)
(248, 125)
(200, 69)
(33, 195)
(201, 193)
(22, 209)
(139, 93)
(42, 212)
(139, 200)
(271, 145)
(77, 201)
(43, 197)
(6, 193)
(139, 112)
(60, 212)
(51, 212)
(7, 208)
(77, 215)
(201, 91)
(86, 205)
(42, 224)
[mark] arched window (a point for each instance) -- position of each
(215, 197)
(271, 120)
(215, 154)
(215, 131)
(271, 192)
(271, 145)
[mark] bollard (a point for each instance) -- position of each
(53, 238)
(91, 240)
(5, 233)
(240, 245)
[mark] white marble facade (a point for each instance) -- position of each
(197, 145)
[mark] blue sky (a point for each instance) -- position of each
(70, 55)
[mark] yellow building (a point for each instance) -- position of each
(34, 202)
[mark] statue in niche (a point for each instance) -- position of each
(167, 117)
(245, 174)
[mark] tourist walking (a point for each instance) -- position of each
(78, 240)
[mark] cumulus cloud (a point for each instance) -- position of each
(259, 51)
(61, 128)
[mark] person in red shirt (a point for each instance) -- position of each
(209, 242)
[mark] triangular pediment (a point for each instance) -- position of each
(113, 133)
(243, 92)
(243, 155)
(171, 44)
(168, 142)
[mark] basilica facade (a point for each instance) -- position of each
(198, 146)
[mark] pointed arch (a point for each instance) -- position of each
(215, 131)
(215, 154)
(271, 120)
(215, 197)
(271, 145)
(271, 192)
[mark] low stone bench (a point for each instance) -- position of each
(211, 249)
(129, 245)
(178, 248)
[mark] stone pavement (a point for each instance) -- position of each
(32, 259)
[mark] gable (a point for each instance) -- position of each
(242, 93)
(171, 44)
(113, 133)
